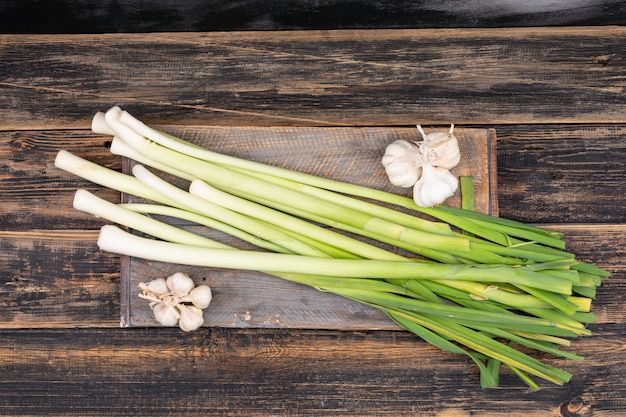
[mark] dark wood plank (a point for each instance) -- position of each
(72, 16)
(37, 195)
(263, 372)
(57, 278)
(321, 78)
(562, 174)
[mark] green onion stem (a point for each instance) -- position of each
(89, 203)
(467, 193)
(154, 209)
(123, 118)
(106, 177)
(475, 291)
(115, 240)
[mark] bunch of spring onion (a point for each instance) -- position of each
(466, 282)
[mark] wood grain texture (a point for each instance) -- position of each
(320, 78)
(57, 278)
(249, 299)
(90, 16)
(555, 97)
(270, 372)
(37, 195)
(562, 174)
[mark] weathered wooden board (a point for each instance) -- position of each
(250, 299)
(319, 78)
(562, 174)
(280, 372)
(93, 16)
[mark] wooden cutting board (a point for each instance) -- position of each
(253, 299)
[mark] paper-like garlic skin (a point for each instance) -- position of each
(166, 314)
(405, 165)
(402, 163)
(180, 283)
(175, 301)
(157, 286)
(440, 149)
(200, 296)
(434, 187)
(190, 318)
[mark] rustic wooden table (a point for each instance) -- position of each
(555, 97)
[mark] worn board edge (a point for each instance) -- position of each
(492, 171)
(126, 291)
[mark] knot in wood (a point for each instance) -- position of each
(576, 407)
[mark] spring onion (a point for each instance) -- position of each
(465, 282)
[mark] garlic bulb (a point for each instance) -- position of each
(175, 301)
(402, 163)
(435, 185)
(425, 166)
(440, 149)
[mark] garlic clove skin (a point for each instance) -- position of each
(200, 296)
(440, 149)
(402, 163)
(190, 318)
(165, 314)
(434, 187)
(157, 286)
(175, 301)
(180, 284)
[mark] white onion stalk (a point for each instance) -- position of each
(114, 239)
(89, 203)
(463, 303)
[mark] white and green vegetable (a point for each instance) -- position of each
(468, 283)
